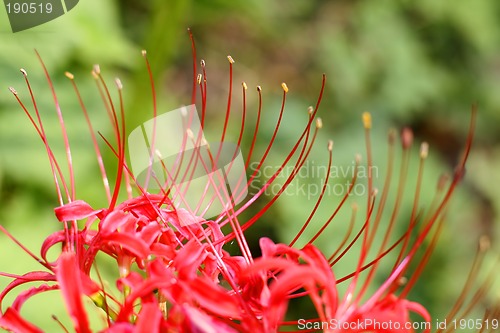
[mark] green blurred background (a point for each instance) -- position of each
(418, 64)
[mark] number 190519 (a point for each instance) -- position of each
(29, 8)
(475, 324)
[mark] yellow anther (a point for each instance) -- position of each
(424, 150)
(367, 120)
(484, 243)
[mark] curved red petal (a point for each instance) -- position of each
(25, 295)
(69, 278)
(11, 320)
(129, 242)
(36, 276)
(76, 210)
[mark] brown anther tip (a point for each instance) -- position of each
(392, 136)
(198, 78)
(97, 69)
(285, 87)
(330, 145)
(231, 60)
(12, 90)
(69, 75)
(403, 280)
(406, 138)
(354, 206)
(202, 63)
(484, 243)
(244, 85)
(22, 70)
(259, 88)
(367, 120)
(443, 180)
(424, 150)
(119, 84)
(310, 110)
(319, 123)
(144, 52)
(374, 192)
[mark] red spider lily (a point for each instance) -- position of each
(174, 272)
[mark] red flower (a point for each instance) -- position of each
(173, 272)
